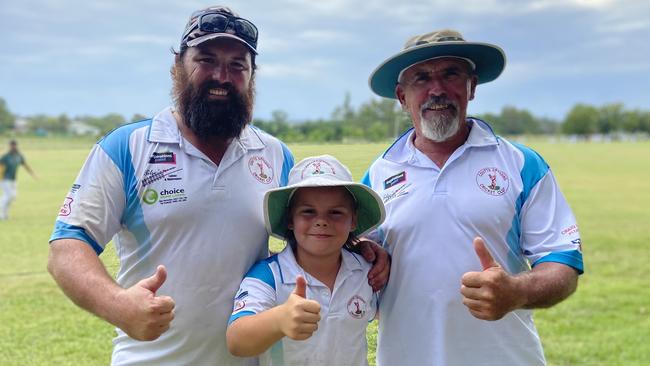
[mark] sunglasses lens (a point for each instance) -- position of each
(246, 29)
(213, 23)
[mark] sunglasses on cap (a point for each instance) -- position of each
(217, 22)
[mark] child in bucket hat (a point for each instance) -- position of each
(310, 304)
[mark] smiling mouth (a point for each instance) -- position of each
(439, 107)
(218, 92)
(321, 236)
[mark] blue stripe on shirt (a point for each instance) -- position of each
(66, 231)
(116, 146)
(261, 271)
(286, 165)
(572, 258)
(532, 171)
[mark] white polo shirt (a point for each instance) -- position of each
(345, 312)
(489, 187)
(162, 201)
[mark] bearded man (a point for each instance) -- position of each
(478, 229)
(181, 197)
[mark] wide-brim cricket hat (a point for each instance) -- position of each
(322, 171)
(488, 60)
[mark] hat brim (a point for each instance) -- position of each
(370, 209)
(490, 61)
(210, 36)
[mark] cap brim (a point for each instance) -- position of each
(490, 61)
(210, 36)
(370, 209)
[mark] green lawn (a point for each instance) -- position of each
(607, 322)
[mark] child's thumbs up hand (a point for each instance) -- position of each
(300, 315)
(301, 287)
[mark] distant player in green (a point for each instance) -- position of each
(9, 163)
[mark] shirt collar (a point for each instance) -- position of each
(290, 269)
(403, 150)
(165, 129)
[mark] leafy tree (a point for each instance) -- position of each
(138, 117)
(610, 118)
(581, 120)
(6, 118)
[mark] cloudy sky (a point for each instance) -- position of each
(96, 57)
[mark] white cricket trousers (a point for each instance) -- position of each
(9, 192)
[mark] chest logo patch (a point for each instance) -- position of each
(167, 157)
(357, 307)
(395, 180)
(260, 169)
(492, 181)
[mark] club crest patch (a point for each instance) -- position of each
(260, 169)
(240, 301)
(318, 167)
(395, 180)
(357, 307)
(492, 181)
(66, 209)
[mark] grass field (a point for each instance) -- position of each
(607, 322)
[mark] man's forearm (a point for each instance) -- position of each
(83, 278)
(547, 284)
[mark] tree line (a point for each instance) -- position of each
(374, 120)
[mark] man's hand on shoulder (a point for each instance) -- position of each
(378, 256)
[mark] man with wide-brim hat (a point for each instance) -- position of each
(478, 229)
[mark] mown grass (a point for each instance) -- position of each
(606, 322)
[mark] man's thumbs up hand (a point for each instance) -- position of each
(145, 316)
(491, 293)
(484, 254)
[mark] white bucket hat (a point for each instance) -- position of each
(322, 171)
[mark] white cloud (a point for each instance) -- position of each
(308, 69)
(146, 39)
(324, 36)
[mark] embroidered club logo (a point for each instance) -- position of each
(357, 307)
(240, 301)
(492, 181)
(66, 209)
(260, 169)
(318, 167)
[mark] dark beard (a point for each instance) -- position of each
(214, 118)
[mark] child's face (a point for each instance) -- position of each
(321, 219)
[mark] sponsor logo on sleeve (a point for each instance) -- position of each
(260, 169)
(167, 157)
(578, 242)
(357, 307)
(75, 188)
(573, 229)
(492, 181)
(66, 209)
(395, 180)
